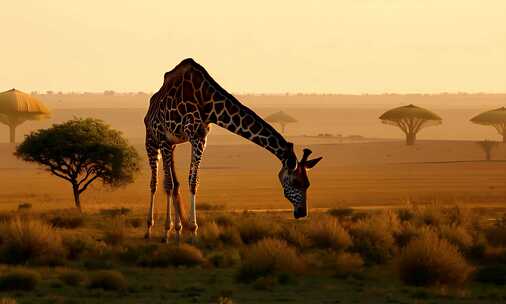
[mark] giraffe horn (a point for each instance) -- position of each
(306, 154)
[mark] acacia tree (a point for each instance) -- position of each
(281, 118)
(487, 146)
(495, 118)
(410, 119)
(82, 151)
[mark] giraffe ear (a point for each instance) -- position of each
(312, 162)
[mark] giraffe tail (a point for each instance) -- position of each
(181, 211)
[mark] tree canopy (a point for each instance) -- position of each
(281, 118)
(495, 118)
(17, 107)
(410, 119)
(82, 151)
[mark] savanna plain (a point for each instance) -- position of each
(388, 223)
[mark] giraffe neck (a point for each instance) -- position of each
(230, 114)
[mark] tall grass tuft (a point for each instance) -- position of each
(269, 257)
(170, 255)
(19, 279)
(29, 240)
(430, 260)
(108, 280)
(327, 233)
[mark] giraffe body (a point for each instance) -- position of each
(188, 102)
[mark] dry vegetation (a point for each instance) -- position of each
(430, 245)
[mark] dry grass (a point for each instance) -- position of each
(327, 232)
(170, 255)
(346, 264)
(430, 260)
(30, 240)
(116, 232)
(72, 277)
(19, 279)
(269, 257)
(108, 280)
(253, 228)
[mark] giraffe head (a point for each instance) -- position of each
(295, 182)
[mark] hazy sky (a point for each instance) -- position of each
(352, 46)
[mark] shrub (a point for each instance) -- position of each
(495, 274)
(255, 228)
(78, 244)
(230, 235)
(224, 219)
(405, 214)
(295, 235)
(115, 212)
(457, 235)
(496, 234)
(24, 206)
(29, 239)
(407, 232)
(108, 280)
(170, 255)
(208, 206)
(431, 260)
(326, 233)
(135, 222)
(210, 233)
(19, 279)
(72, 277)
(341, 212)
(373, 239)
(346, 264)
(225, 259)
(67, 220)
(115, 234)
(431, 215)
(269, 257)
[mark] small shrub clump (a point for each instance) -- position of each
(346, 264)
(29, 240)
(170, 255)
(430, 260)
(72, 277)
(108, 280)
(269, 257)
(19, 279)
(327, 233)
(67, 220)
(373, 239)
(255, 228)
(115, 234)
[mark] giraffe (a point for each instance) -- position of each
(182, 111)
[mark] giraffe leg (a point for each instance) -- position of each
(198, 147)
(176, 201)
(167, 151)
(152, 152)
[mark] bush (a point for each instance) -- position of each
(430, 260)
(346, 264)
(405, 214)
(72, 277)
(230, 235)
(24, 206)
(29, 240)
(373, 239)
(407, 232)
(496, 234)
(108, 280)
(495, 274)
(269, 257)
(254, 228)
(341, 212)
(171, 255)
(225, 259)
(135, 222)
(78, 245)
(458, 236)
(295, 235)
(19, 279)
(327, 233)
(224, 219)
(115, 234)
(210, 233)
(67, 220)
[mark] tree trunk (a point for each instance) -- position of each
(410, 139)
(488, 154)
(77, 201)
(12, 134)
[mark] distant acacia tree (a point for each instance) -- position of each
(495, 118)
(281, 118)
(81, 151)
(488, 146)
(410, 119)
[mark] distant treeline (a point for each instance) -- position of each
(110, 98)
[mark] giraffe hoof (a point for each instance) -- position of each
(165, 240)
(147, 236)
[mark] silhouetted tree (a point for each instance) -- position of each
(495, 118)
(82, 151)
(488, 146)
(410, 119)
(281, 118)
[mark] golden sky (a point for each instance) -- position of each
(347, 46)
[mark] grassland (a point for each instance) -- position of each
(340, 256)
